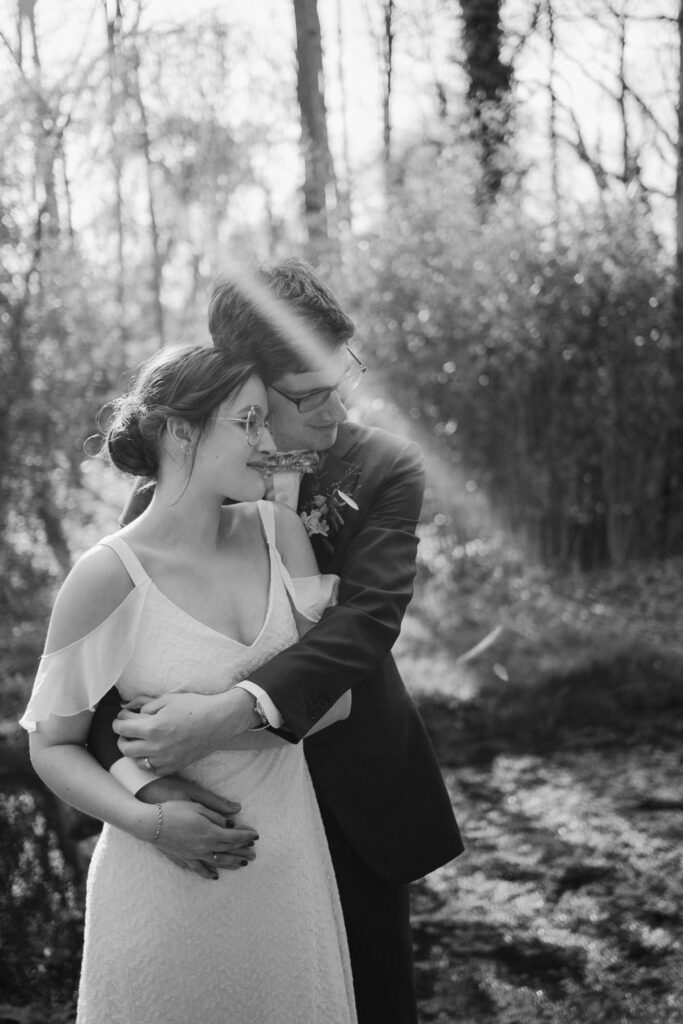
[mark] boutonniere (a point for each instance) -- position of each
(323, 512)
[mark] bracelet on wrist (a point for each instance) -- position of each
(160, 821)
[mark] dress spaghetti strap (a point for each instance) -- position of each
(131, 562)
(267, 515)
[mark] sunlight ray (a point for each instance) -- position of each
(307, 343)
(450, 487)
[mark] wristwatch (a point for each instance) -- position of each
(263, 718)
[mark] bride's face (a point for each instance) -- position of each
(230, 454)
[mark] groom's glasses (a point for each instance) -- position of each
(316, 399)
(254, 423)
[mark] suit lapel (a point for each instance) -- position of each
(338, 461)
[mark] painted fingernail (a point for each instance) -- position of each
(244, 863)
(250, 844)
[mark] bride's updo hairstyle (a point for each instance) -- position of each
(188, 383)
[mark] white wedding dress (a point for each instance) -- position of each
(264, 944)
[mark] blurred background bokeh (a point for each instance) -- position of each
(494, 190)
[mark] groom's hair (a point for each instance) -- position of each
(246, 330)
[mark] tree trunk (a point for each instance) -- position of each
(113, 26)
(68, 205)
(313, 124)
(157, 258)
(673, 445)
(387, 73)
(552, 119)
(44, 120)
(679, 187)
(488, 93)
(50, 516)
(26, 10)
(344, 192)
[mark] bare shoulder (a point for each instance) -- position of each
(241, 523)
(94, 588)
(243, 527)
(288, 525)
(293, 543)
(291, 538)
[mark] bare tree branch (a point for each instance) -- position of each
(579, 144)
(638, 99)
(528, 34)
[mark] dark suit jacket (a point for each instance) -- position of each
(375, 772)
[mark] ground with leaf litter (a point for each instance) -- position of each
(566, 907)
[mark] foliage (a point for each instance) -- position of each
(114, 204)
(41, 906)
(541, 357)
(58, 373)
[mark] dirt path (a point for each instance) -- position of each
(566, 907)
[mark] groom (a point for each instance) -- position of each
(385, 808)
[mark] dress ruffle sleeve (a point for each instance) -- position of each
(311, 595)
(75, 678)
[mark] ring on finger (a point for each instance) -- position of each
(148, 764)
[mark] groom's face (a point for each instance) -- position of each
(317, 429)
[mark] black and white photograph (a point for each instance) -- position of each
(341, 512)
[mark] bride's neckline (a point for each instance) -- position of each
(212, 629)
(200, 622)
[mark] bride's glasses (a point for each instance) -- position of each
(254, 423)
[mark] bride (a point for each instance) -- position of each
(193, 596)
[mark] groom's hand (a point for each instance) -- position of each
(179, 728)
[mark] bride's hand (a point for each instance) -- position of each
(192, 834)
(174, 787)
(197, 867)
(179, 728)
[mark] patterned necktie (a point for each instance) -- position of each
(300, 461)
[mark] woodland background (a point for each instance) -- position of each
(494, 189)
